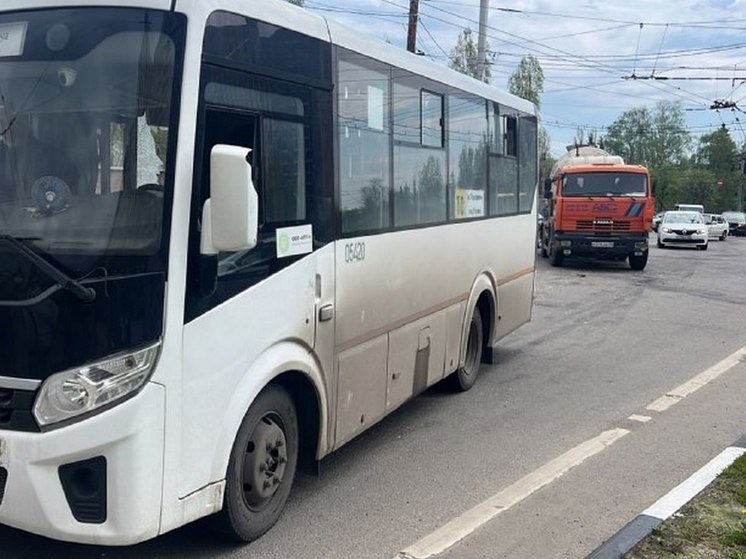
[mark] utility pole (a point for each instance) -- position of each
(414, 6)
(484, 7)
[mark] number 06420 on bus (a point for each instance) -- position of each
(233, 236)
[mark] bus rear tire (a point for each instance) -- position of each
(261, 468)
(465, 377)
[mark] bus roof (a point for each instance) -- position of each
(286, 15)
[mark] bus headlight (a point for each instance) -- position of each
(82, 390)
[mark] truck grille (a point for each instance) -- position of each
(15, 410)
(603, 225)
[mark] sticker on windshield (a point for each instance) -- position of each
(12, 39)
(294, 240)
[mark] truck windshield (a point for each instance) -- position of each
(604, 184)
(85, 117)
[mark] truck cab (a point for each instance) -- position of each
(598, 207)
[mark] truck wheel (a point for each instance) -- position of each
(542, 244)
(465, 377)
(261, 467)
(555, 256)
(638, 262)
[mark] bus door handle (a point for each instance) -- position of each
(326, 313)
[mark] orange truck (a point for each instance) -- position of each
(597, 207)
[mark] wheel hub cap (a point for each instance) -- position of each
(265, 462)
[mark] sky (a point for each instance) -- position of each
(599, 58)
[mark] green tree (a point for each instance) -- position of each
(629, 135)
(718, 154)
(546, 161)
(463, 57)
(648, 137)
(527, 81)
(671, 139)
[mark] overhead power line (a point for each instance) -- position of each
(685, 78)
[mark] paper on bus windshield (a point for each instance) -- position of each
(294, 240)
(12, 39)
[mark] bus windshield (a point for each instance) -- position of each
(85, 108)
(604, 184)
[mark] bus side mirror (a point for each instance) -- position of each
(230, 217)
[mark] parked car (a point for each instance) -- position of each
(657, 219)
(717, 226)
(736, 222)
(683, 229)
(690, 208)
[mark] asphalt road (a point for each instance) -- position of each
(605, 342)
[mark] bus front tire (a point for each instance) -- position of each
(465, 377)
(261, 468)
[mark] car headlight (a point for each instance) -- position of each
(666, 229)
(701, 231)
(83, 390)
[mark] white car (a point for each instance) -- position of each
(683, 229)
(717, 226)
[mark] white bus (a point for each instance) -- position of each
(233, 236)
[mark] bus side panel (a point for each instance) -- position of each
(361, 395)
(411, 288)
(416, 358)
(513, 309)
(223, 345)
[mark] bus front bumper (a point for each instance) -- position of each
(607, 246)
(97, 481)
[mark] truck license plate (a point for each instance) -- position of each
(602, 244)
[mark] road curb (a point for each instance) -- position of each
(626, 538)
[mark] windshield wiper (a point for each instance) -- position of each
(85, 294)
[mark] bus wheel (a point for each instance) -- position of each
(463, 379)
(638, 262)
(262, 466)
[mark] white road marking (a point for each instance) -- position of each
(691, 386)
(683, 493)
(457, 529)
(462, 526)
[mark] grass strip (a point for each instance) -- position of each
(711, 525)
